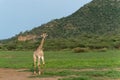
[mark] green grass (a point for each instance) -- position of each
(82, 75)
(63, 63)
(69, 59)
(15, 59)
(94, 75)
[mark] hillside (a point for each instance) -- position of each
(98, 17)
(95, 25)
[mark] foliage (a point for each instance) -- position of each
(78, 50)
(96, 25)
(92, 43)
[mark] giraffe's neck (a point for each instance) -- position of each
(41, 44)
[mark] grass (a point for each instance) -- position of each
(82, 60)
(94, 75)
(82, 75)
(67, 64)
(15, 59)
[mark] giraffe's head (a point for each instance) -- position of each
(44, 35)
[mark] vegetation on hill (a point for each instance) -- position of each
(95, 25)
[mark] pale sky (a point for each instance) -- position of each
(20, 15)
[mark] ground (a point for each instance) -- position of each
(22, 74)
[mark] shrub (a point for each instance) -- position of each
(102, 50)
(78, 50)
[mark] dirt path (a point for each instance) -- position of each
(18, 74)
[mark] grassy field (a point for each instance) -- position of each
(68, 65)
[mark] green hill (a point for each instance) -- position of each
(95, 25)
(98, 17)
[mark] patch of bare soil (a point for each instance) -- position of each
(19, 74)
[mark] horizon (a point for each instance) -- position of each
(20, 16)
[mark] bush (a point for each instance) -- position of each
(102, 50)
(78, 50)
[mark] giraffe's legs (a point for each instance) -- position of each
(34, 59)
(43, 64)
(43, 61)
(39, 72)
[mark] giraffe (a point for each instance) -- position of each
(39, 54)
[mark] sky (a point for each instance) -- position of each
(20, 15)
